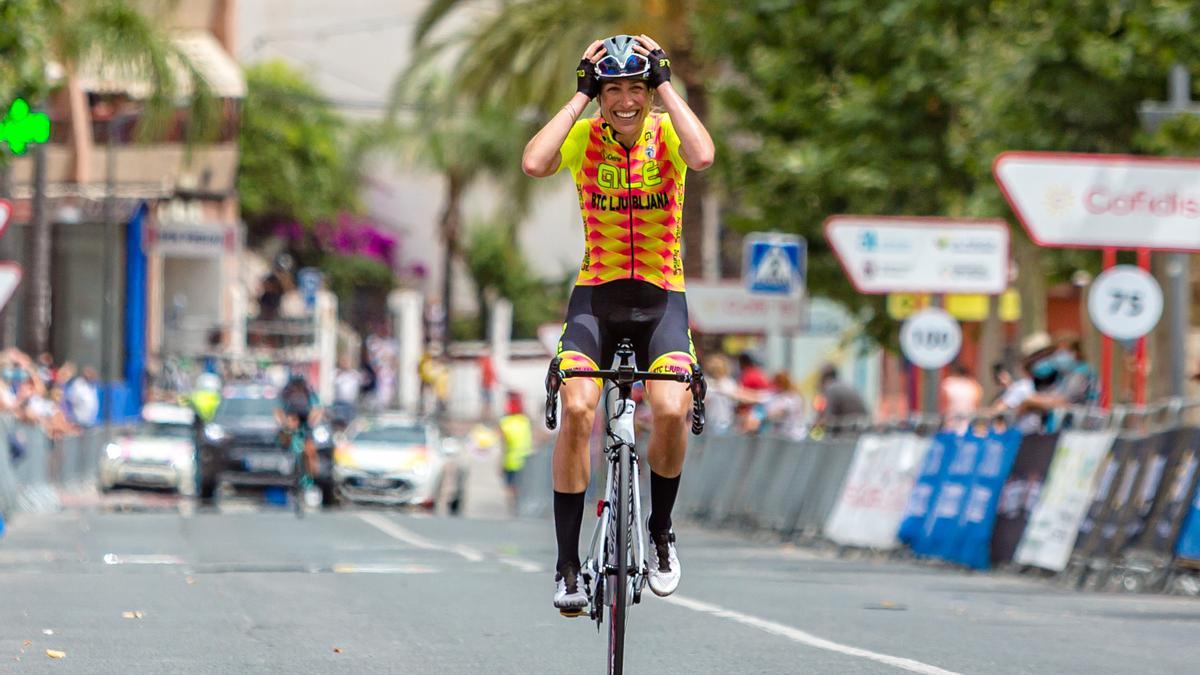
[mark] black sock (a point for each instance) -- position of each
(662, 500)
(568, 518)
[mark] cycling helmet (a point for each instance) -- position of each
(620, 60)
(208, 382)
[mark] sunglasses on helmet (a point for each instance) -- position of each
(611, 66)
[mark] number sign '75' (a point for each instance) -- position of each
(1125, 302)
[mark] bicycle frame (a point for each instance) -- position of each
(618, 427)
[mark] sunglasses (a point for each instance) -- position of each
(609, 66)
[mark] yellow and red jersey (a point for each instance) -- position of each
(631, 201)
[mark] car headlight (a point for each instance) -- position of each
(214, 433)
(320, 435)
(112, 451)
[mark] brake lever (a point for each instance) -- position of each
(699, 390)
(554, 378)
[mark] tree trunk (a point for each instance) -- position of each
(451, 224)
(37, 259)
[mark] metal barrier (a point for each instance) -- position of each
(33, 470)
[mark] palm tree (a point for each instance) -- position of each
(110, 34)
(520, 56)
(433, 123)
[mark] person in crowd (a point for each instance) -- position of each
(83, 398)
(960, 396)
(347, 386)
(516, 433)
(837, 401)
(46, 371)
(1066, 380)
(487, 379)
(1016, 387)
(753, 388)
(783, 409)
(723, 394)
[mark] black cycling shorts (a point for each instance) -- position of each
(654, 320)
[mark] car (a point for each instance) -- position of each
(158, 453)
(390, 460)
(241, 447)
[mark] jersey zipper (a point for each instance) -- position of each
(629, 195)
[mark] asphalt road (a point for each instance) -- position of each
(256, 590)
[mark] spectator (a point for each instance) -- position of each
(838, 400)
(1067, 381)
(1017, 388)
(722, 396)
(784, 409)
(82, 398)
(487, 379)
(347, 385)
(516, 433)
(960, 396)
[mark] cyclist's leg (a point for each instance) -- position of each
(671, 350)
(578, 349)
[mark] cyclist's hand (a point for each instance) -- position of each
(660, 65)
(586, 81)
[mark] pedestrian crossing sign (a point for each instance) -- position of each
(774, 263)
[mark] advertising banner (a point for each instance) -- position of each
(974, 538)
(912, 525)
(1189, 537)
(874, 496)
(1020, 492)
(1050, 535)
(1167, 522)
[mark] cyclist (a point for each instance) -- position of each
(629, 163)
(297, 411)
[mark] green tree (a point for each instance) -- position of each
(111, 34)
(900, 109)
(432, 123)
(498, 268)
(294, 164)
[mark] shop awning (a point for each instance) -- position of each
(202, 51)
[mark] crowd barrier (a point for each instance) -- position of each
(34, 471)
(1109, 502)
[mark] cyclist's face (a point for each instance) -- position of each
(624, 104)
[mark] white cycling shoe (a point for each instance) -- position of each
(664, 564)
(569, 598)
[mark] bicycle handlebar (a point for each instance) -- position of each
(626, 376)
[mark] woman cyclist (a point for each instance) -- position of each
(629, 163)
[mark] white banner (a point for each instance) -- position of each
(869, 510)
(1054, 524)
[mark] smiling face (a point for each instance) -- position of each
(624, 104)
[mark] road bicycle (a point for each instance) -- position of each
(302, 481)
(615, 572)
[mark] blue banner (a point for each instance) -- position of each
(912, 527)
(952, 508)
(1189, 537)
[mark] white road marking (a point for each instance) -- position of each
(114, 559)
(522, 565)
(391, 529)
(797, 635)
(350, 568)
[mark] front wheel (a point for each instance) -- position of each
(620, 591)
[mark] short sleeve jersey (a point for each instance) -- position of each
(631, 201)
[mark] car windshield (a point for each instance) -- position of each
(151, 429)
(233, 409)
(399, 435)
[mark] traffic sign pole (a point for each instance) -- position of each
(1108, 259)
(931, 376)
(1139, 377)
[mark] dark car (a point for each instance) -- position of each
(241, 446)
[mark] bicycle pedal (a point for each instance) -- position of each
(571, 613)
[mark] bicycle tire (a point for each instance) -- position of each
(616, 624)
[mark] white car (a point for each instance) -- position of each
(159, 453)
(389, 460)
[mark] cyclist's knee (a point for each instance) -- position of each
(670, 406)
(579, 399)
